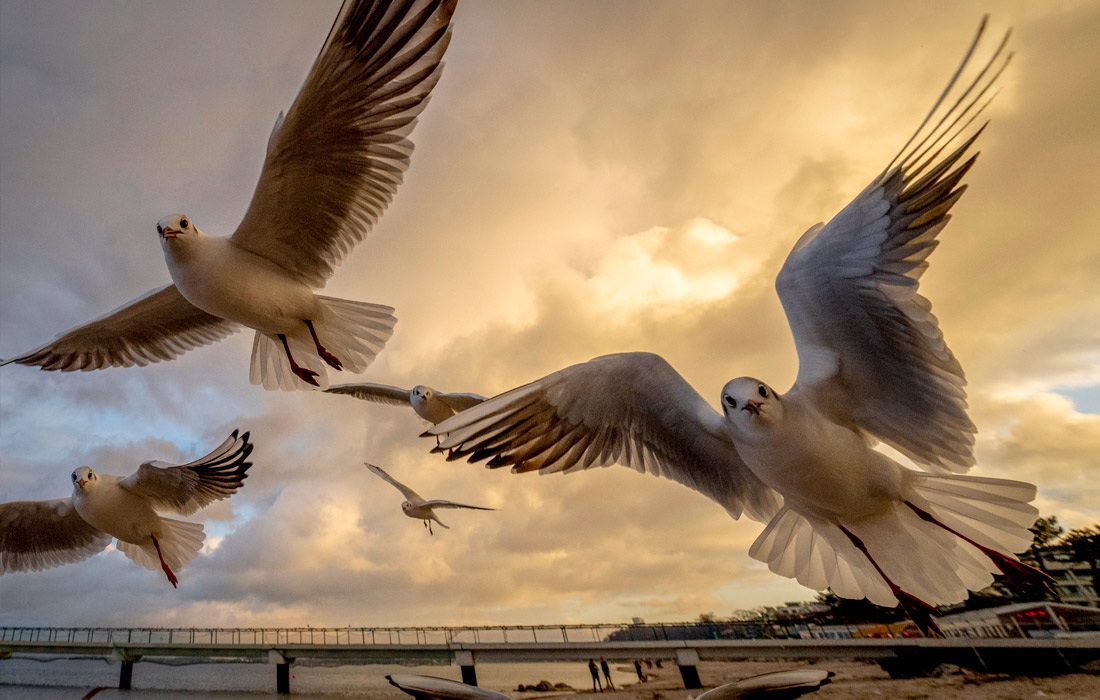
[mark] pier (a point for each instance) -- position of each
(686, 644)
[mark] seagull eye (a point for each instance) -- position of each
(160, 229)
(729, 401)
(762, 391)
(183, 223)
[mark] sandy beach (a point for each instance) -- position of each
(854, 680)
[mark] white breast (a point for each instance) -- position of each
(116, 511)
(225, 281)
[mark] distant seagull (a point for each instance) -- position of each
(415, 506)
(778, 684)
(37, 535)
(872, 365)
(332, 166)
(432, 688)
(428, 403)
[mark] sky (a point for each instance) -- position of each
(588, 178)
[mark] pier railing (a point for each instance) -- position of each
(403, 636)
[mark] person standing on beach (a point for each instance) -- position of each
(638, 670)
(606, 673)
(595, 675)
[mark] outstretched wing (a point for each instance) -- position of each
(869, 348)
(378, 393)
(155, 327)
(452, 504)
(37, 535)
(408, 493)
(460, 402)
(188, 487)
(334, 163)
(630, 408)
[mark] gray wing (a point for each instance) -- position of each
(334, 163)
(870, 351)
(631, 408)
(186, 488)
(155, 327)
(460, 402)
(409, 494)
(37, 535)
(452, 504)
(378, 393)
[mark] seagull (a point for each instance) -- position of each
(431, 405)
(873, 366)
(416, 507)
(38, 535)
(333, 163)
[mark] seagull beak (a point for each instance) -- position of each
(752, 407)
(170, 233)
(82, 482)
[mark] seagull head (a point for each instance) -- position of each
(83, 477)
(175, 227)
(750, 402)
(421, 392)
(405, 506)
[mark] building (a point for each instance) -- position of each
(1036, 619)
(1074, 580)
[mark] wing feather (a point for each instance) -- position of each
(38, 535)
(849, 289)
(186, 488)
(155, 327)
(630, 408)
(453, 504)
(460, 402)
(408, 493)
(336, 159)
(378, 393)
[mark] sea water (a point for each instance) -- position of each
(72, 679)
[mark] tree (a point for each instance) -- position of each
(1045, 531)
(1084, 544)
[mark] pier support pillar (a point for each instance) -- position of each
(282, 670)
(282, 679)
(687, 660)
(126, 676)
(465, 661)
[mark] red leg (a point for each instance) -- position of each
(167, 571)
(1019, 575)
(306, 375)
(918, 611)
(332, 360)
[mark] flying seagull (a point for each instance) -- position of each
(873, 365)
(431, 405)
(416, 507)
(37, 535)
(332, 166)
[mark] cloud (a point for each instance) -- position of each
(588, 179)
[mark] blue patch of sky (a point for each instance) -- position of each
(1086, 399)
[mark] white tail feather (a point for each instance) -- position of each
(180, 542)
(922, 558)
(354, 332)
